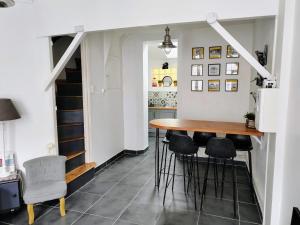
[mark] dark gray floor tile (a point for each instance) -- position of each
(177, 218)
(145, 214)
(182, 202)
(98, 187)
(123, 222)
(249, 213)
(81, 201)
(108, 207)
(123, 191)
(150, 195)
(110, 175)
(245, 195)
(246, 223)
(205, 219)
(53, 218)
(93, 220)
(135, 179)
(223, 208)
(20, 217)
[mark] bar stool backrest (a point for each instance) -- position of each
(201, 138)
(241, 142)
(170, 132)
(220, 148)
(182, 144)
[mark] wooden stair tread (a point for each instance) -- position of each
(74, 174)
(71, 139)
(73, 155)
(70, 110)
(69, 124)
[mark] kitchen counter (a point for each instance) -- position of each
(162, 107)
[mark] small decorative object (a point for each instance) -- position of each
(231, 85)
(167, 81)
(160, 83)
(165, 66)
(214, 69)
(250, 120)
(175, 83)
(167, 44)
(197, 70)
(231, 52)
(198, 53)
(232, 68)
(215, 52)
(197, 85)
(154, 82)
(214, 85)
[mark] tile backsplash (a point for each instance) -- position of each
(162, 98)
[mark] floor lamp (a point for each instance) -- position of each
(7, 112)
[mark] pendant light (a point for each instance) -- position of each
(167, 44)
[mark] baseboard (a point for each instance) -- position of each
(135, 152)
(120, 155)
(110, 161)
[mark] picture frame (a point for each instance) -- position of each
(213, 85)
(197, 85)
(232, 68)
(198, 53)
(214, 69)
(197, 69)
(231, 52)
(215, 52)
(231, 85)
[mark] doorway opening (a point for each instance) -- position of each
(162, 82)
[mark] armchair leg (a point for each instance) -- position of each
(62, 206)
(30, 214)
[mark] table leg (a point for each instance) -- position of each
(157, 177)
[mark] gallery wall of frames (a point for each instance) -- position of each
(230, 66)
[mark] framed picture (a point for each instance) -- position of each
(214, 69)
(231, 52)
(197, 70)
(231, 85)
(215, 52)
(198, 53)
(213, 85)
(232, 68)
(197, 85)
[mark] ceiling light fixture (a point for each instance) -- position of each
(167, 44)
(6, 3)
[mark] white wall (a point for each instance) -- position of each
(156, 58)
(106, 113)
(215, 106)
(286, 183)
(24, 60)
(57, 17)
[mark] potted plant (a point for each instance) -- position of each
(250, 120)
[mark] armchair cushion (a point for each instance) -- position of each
(45, 191)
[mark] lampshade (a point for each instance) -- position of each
(8, 110)
(167, 44)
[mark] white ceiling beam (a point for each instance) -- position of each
(213, 22)
(65, 58)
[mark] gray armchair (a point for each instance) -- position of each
(44, 181)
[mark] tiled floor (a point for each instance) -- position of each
(124, 194)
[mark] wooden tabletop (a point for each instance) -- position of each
(204, 126)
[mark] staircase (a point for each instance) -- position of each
(70, 129)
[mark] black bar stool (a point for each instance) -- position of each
(220, 148)
(201, 139)
(243, 143)
(166, 142)
(182, 146)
